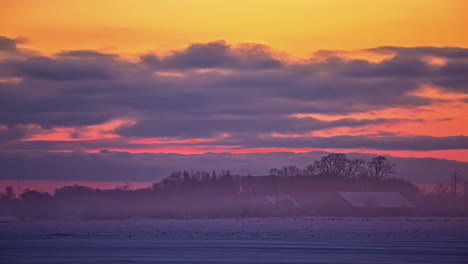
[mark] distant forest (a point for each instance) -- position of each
(194, 194)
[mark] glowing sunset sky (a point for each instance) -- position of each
(296, 27)
(384, 77)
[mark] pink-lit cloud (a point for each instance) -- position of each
(248, 98)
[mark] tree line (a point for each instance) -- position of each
(224, 194)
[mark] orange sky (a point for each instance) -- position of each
(298, 27)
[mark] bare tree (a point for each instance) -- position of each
(214, 177)
(9, 193)
(332, 165)
(205, 176)
(441, 189)
(186, 176)
(353, 167)
(380, 167)
(173, 179)
(289, 172)
(455, 181)
(309, 171)
(274, 172)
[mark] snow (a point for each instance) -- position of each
(254, 240)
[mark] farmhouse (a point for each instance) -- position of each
(378, 203)
(356, 204)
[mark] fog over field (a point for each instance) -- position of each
(333, 185)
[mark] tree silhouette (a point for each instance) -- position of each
(9, 193)
(309, 171)
(332, 165)
(380, 167)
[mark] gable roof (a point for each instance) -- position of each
(376, 199)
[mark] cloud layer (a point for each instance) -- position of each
(213, 96)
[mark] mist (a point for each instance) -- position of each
(333, 185)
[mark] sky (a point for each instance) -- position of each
(238, 77)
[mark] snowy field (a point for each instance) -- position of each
(259, 240)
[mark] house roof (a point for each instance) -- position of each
(376, 199)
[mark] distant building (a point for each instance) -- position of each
(356, 204)
(378, 203)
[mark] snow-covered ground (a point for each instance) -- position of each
(256, 240)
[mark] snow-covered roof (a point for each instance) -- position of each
(376, 199)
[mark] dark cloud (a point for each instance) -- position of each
(151, 60)
(7, 44)
(209, 55)
(453, 76)
(380, 141)
(413, 143)
(79, 166)
(446, 52)
(8, 133)
(61, 70)
(216, 55)
(399, 66)
(190, 126)
(42, 145)
(86, 54)
(411, 62)
(243, 89)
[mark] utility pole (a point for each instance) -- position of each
(465, 197)
(454, 189)
(19, 186)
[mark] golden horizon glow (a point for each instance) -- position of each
(297, 27)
